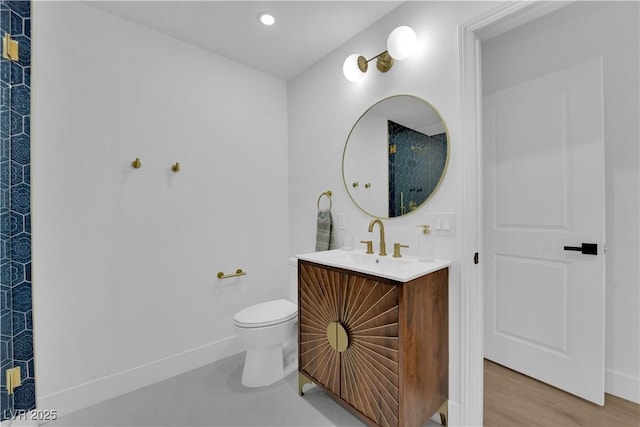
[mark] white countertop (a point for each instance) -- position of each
(400, 269)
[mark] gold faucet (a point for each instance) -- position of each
(383, 246)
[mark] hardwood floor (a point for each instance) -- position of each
(515, 400)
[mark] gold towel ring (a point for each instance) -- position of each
(328, 194)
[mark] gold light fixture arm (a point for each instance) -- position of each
(383, 64)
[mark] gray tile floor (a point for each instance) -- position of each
(214, 396)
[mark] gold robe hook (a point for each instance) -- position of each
(136, 163)
(176, 167)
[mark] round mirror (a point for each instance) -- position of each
(395, 156)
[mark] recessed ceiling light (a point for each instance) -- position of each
(266, 18)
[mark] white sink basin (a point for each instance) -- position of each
(401, 269)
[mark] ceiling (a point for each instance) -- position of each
(304, 32)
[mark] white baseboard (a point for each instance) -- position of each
(622, 385)
(101, 389)
(453, 414)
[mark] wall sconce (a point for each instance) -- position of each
(400, 45)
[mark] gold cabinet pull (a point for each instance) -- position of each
(238, 272)
(337, 336)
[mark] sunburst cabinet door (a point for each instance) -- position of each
(369, 369)
(319, 299)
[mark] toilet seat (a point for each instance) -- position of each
(266, 314)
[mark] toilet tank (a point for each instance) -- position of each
(293, 280)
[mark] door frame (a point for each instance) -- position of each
(503, 18)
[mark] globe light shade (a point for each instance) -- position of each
(350, 69)
(401, 42)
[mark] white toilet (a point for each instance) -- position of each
(269, 330)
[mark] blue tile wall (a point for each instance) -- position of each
(415, 168)
(16, 319)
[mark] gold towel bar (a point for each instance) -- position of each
(327, 193)
(238, 272)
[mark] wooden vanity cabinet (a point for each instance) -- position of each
(377, 346)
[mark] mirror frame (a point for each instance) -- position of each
(444, 170)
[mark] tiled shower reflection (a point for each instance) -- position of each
(16, 324)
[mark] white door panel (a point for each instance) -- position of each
(544, 190)
(523, 285)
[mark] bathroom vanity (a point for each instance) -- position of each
(373, 334)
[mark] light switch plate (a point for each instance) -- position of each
(342, 221)
(441, 223)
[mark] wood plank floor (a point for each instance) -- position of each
(515, 400)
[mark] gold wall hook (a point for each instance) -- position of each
(176, 167)
(13, 379)
(136, 163)
(355, 184)
(9, 48)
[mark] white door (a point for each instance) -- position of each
(544, 190)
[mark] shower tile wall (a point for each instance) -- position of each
(16, 326)
(415, 168)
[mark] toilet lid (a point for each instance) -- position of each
(266, 314)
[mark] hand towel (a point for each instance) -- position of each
(325, 235)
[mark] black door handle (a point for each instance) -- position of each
(586, 248)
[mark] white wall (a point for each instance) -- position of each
(574, 34)
(125, 261)
(323, 106)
